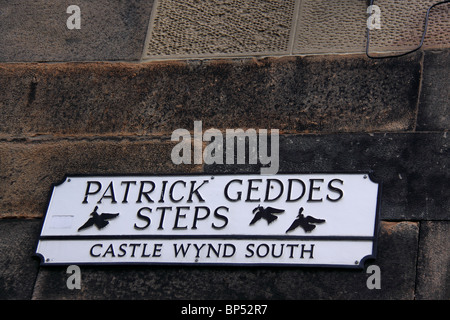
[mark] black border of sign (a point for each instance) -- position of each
(360, 264)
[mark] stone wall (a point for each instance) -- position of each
(110, 103)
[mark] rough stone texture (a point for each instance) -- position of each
(29, 169)
(403, 24)
(396, 259)
(18, 270)
(412, 167)
(37, 30)
(433, 281)
(302, 94)
(331, 26)
(340, 26)
(434, 108)
(193, 28)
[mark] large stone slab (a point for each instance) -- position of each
(18, 270)
(396, 258)
(29, 169)
(434, 107)
(302, 94)
(341, 26)
(190, 28)
(433, 282)
(37, 30)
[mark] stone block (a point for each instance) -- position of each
(189, 28)
(302, 94)
(29, 169)
(411, 167)
(341, 26)
(433, 281)
(434, 107)
(331, 26)
(109, 30)
(396, 258)
(18, 269)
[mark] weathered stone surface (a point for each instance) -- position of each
(412, 167)
(29, 169)
(302, 94)
(194, 29)
(433, 281)
(340, 26)
(434, 108)
(396, 258)
(110, 30)
(18, 270)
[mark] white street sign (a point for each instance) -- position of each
(317, 219)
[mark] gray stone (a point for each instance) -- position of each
(37, 30)
(18, 269)
(434, 107)
(412, 167)
(302, 94)
(396, 258)
(433, 281)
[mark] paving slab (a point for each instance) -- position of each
(433, 282)
(340, 26)
(190, 28)
(331, 27)
(434, 107)
(18, 270)
(37, 30)
(396, 259)
(30, 168)
(297, 94)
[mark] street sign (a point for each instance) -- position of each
(314, 219)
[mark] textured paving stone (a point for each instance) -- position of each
(29, 169)
(331, 26)
(302, 94)
(402, 25)
(433, 282)
(412, 167)
(340, 26)
(110, 30)
(18, 270)
(434, 108)
(396, 259)
(190, 28)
